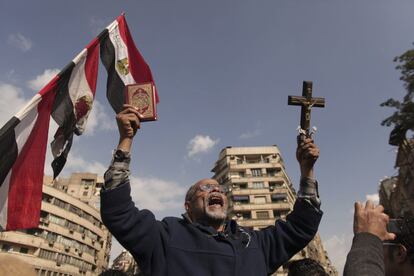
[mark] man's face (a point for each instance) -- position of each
(208, 203)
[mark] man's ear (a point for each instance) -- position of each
(187, 206)
(401, 254)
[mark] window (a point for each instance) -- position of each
(7, 248)
(262, 214)
(245, 215)
(277, 214)
(260, 199)
(87, 182)
(241, 174)
(241, 199)
(239, 186)
(271, 172)
(46, 198)
(24, 250)
(258, 185)
(46, 254)
(273, 185)
(276, 198)
(256, 172)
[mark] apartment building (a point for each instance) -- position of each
(70, 239)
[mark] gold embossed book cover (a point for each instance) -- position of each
(142, 96)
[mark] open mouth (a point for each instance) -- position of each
(215, 200)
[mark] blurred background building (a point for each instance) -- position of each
(70, 238)
(397, 193)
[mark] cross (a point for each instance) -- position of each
(306, 102)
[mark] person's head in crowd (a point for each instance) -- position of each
(306, 267)
(399, 253)
(12, 265)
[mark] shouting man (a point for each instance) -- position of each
(204, 242)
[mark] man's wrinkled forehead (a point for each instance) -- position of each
(206, 181)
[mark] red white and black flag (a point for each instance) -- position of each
(23, 142)
(123, 62)
(68, 99)
(73, 102)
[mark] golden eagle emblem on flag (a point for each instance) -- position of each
(123, 66)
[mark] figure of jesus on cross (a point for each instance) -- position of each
(306, 102)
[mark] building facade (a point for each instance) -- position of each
(397, 193)
(70, 239)
(260, 192)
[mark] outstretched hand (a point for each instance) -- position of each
(307, 153)
(371, 219)
(128, 121)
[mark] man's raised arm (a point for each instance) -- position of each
(128, 124)
(136, 230)
(288, 237)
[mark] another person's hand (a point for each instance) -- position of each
(371, 219)
(307, 153)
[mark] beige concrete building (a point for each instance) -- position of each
(261, 192)
(70, 238)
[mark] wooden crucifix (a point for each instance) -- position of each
(306, 102)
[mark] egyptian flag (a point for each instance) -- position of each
(68, 99)
(23, 141)
(73, 102)
(123, 62)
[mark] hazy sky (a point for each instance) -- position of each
(224, 70)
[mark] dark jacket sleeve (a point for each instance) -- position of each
(280, 242)
(136, 230)
(366, 257)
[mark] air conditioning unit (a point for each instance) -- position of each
(51, 243)
(80, 253)
(67, 248)
(83, 235)
(58, 263)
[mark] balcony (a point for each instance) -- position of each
(251, 191)
(243, 166)
(255, 222)
(265, 178)
(266, 206)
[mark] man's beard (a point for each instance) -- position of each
(215, 216)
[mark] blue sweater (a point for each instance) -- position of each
(175, 246)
